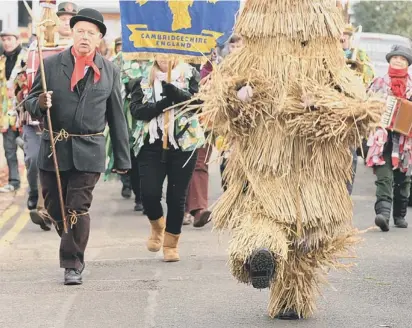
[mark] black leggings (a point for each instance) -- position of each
(152, 176)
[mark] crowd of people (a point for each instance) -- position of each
(110, 115)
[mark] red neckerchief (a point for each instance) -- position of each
(398, 81)
(79, 67)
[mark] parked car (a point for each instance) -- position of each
(377, 45)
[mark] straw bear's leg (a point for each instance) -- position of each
(294, 295)
(255, 251)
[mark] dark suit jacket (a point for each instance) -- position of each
(81, 114)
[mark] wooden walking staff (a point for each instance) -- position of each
(166, 119)
(49, 122)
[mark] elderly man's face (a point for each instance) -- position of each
(86, 37)
(10, 43)
(64, 27)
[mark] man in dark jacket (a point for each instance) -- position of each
(84, 93)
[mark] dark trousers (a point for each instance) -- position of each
(197, 197)
(392, 186)
(10, 151)
(152, 176)
(77, 190)
(131, 180)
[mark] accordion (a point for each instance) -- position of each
(398, 116)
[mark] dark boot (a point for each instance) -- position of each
(126, 192)
(399, 212)
(201, 218)
(288, 314)
(262, 268)
(383, 213)
(138, 206)
(127, 186)
(73, 277)
(32, 202)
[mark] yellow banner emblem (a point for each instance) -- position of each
(197, 43)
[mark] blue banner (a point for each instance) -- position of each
(188, 28)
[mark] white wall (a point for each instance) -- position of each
(9, 14)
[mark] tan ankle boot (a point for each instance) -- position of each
(155, 241)
(170, 248)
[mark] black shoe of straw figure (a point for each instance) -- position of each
(262, 268)
(288, 315)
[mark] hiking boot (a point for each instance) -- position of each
(72, 277)
(383, 212)
(138, 207)
(126, 192)
(400, 207)
(382, 222)
(400, 222)
(262, 268)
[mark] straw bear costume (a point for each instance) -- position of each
(290, 161)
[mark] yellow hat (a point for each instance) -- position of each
(349, 29)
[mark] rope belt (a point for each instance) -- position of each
(64, 135)
(73, 217)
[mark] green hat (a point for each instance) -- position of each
(67, 8)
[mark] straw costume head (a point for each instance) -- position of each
(290, 158)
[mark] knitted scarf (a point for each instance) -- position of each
(398, 81)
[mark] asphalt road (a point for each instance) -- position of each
(126, 286)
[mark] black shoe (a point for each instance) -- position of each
(32, 202)
(126, 192)
(72, 277)
(262, 268)
(288, 315)
(38, 219)
(201, 219)
(400, 223)
(382, 222)
(138, 207)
